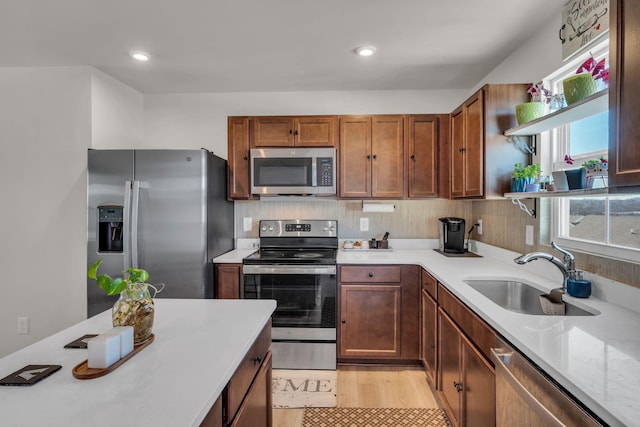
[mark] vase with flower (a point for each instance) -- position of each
(528, 111)
(591, 77)
(135, 305)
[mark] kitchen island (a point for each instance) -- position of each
(175, 381)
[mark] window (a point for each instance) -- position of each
(607, 225)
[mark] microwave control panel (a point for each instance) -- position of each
(325, 171)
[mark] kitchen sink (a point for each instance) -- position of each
(518, 296)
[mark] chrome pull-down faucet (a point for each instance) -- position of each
(567, 265)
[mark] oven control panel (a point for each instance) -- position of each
(296, 227)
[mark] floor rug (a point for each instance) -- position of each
(375, 417)
(304, 388)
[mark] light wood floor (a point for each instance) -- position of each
(372, 387)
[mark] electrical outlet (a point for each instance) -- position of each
(364, 224)
(479, 227)
(246, 223)
(23, 326)
(528, 239)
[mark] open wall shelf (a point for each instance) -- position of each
(594, 104)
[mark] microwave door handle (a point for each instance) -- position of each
(314, 171)
(135, 206)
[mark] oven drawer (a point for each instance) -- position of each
(243, 377)
(370, 274)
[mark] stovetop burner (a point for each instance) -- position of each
(292, 256)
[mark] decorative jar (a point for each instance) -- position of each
(135, 308)
(529, 111)
(579, 87)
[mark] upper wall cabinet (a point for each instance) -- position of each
(371, 157)
(422, 136)
(304, 131)
(482, 158)
(238, 184)
(624, 87)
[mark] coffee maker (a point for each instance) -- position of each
(452, 235)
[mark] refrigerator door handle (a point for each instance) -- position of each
(135, 205)
(126, 225)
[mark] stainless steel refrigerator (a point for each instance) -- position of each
(165, 211)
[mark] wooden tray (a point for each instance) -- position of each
(84, 372)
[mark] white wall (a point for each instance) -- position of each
(45, 128)
(47, 123)
(200, 120)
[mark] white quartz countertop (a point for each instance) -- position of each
(596, 358)
(173, 382)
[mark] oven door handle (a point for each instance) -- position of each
(289, 269)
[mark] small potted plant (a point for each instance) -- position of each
(532, 110)
(135, 306)
(525, 178)
(591, 76)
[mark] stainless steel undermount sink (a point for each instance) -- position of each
(519, 297)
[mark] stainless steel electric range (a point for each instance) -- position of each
(296, 266)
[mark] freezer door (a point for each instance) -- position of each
(171, 220)
(108, 172)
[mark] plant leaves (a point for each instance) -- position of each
(104, 282)
(91, 274)
(117, 286)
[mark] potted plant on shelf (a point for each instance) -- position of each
(590, 77)
(532, 110)
(135, 306)
(525, 178)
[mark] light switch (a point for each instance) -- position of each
(246, 223)
(528, 239)
(364, 224)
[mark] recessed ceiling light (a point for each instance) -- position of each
(366, 50)
(140, 55)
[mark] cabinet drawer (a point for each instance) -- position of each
(372, 274)
(481, 334)
(430, 284)
(241, 380)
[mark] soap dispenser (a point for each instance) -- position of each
(577, 286)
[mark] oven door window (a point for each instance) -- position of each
(303, 301)
(283, 172)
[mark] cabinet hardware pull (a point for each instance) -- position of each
(370, 274)
(413, 157)
(344, 321)
(375, 156)
(296, 132)
(257, 360)
(290, 131)
(368, 157)
(246, 158)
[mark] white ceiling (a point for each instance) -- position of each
(273, 45)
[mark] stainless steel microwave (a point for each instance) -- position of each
(293, 171)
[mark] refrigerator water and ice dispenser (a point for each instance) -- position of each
(110, 228)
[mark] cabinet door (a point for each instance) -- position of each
(422, 151)
(238, 158)
(478, 388)
(387, 153)
(256, 406)
(429, 321)
(272, 132)
(624, 149)
(227, 281)
(316, 131)
(474, 146)
(457, 153)
(370, 321)
(355, 157)
(450, 379)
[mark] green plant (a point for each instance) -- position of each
(594, 163)
(115, 286)
(527, 172)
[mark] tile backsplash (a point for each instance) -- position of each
(411, 219)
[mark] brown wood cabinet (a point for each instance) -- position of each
(238, 184)
(303, 131)
(466, 376)
(482, 158)
(422, 136)
(227, 281)
(624, 57)
(371, 154)
(428, 328)
(379, 313)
